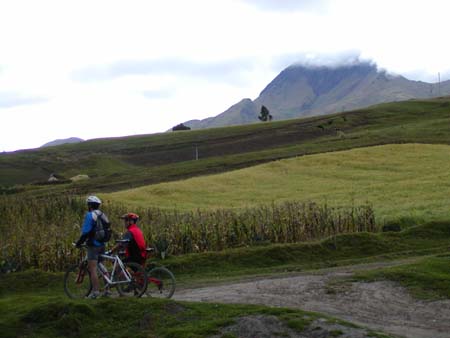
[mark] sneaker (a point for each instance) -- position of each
(94, 295)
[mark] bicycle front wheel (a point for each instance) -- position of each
(161, 283)
(77, 282)
(138, 284)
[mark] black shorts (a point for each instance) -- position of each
(93, 252)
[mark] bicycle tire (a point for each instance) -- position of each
(77, 281)
(138, 284)
(161, 283)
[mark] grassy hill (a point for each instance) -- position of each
(400, 181)
(405, 184)
(120, 163)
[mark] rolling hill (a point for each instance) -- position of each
(312, 90)
(403, 180)
(122, 163)
(62, 141)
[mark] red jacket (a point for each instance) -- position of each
(137, 245)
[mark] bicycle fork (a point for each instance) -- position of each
(156, 281)
(81, 273)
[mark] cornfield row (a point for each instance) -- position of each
(39, 232)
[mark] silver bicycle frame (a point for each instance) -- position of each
(117, 263)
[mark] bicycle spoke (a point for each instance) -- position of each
(77, 283)
(161, 283)
(138, 284)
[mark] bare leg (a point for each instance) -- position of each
(92, 265)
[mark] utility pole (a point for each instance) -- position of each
(439, 84)
(196, 153)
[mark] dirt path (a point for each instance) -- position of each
(383, 306)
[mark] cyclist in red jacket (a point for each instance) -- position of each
(133, 240)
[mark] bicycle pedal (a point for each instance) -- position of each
(107, 293)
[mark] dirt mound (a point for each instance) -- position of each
(260, 326)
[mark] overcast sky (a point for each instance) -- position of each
(94, 69)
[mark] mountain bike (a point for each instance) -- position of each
(130, 279)
(160, 280)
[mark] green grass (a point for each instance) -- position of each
(400, 181)
(32, 303)
(30, 281)
(347, 249)
(120, 163)
(53, 315)
(427, 279)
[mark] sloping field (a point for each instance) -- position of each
(128, 162)
(403, 180)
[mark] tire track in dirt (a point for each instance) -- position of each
(383, 305)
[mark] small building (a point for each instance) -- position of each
(52, 178)
(79, 177)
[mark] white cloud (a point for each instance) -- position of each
(11, 99)
(155, 64)
(290, 5)
(223, 71)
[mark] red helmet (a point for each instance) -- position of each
(131, 216)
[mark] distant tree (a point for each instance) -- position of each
(180, 126)
(264, 115)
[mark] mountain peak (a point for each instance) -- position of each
(321, 78)
(62, 141)
(314, 89)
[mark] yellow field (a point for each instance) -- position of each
(408, 180)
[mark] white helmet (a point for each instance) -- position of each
(93, 199)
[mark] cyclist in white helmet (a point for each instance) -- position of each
(94, 247)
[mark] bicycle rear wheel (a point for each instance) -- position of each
(161, 283)
(77, 282)
(138, 284)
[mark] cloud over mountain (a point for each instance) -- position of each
(308, 90)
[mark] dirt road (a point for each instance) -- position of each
(383, 306)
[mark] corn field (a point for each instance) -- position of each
(38, 232)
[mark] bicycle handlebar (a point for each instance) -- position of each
(81, 246)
